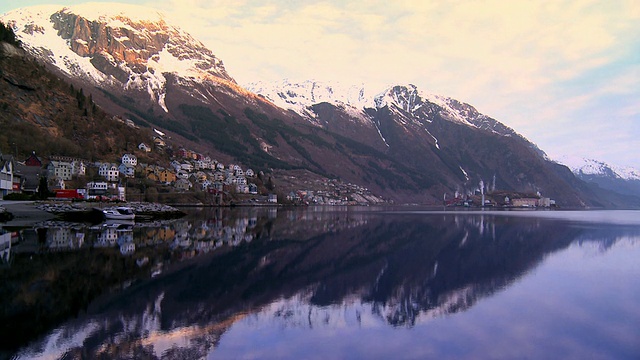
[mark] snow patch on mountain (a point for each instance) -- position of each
(448, 111)
(400, 99)
(34, 28)
(299, 97)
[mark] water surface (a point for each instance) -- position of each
(330, 283)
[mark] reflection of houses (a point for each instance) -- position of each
(64, 239)
(163, 234)
(5, 248)
(125, 235)
(128, 248)
(107, 237)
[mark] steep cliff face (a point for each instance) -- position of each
(133, 43)
(126, 50)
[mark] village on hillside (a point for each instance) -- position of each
(197, 179)
(209, 181)
(206, 181)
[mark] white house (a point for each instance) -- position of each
(78, 168)
(122, 193)
(127, 248)
(6, 175)
(59, 169)
(129, 159)
(218, 176)
(176, 165)
(96, 189)
(204, 163)
(182, 184)
(126, 170)
(182, 174)
(109, 171)
(206, 184)
(159, 141)
(250, 173)
(144, 147)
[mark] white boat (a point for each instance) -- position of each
(119, 213)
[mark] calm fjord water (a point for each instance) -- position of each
(318, 283)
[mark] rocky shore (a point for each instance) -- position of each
(25, 213)
(5, 215)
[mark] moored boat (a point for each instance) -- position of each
(119, 213)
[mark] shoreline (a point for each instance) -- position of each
(28, 213)
(25, 213)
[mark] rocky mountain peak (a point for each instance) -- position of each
(131, 47)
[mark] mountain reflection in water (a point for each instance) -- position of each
(256, 276)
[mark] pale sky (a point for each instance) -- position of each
(565, 74)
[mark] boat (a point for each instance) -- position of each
(119, 213)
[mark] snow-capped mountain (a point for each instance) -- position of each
(408, 103)
(592, 167)
(620, 179)
(115, 46)
(300, 97)
(398, 142)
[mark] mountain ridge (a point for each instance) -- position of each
(410, 146)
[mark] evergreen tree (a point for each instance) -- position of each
(43, 188)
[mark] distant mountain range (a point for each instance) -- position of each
(624, 180)
(401, 142)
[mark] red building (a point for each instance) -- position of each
(33, 160)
